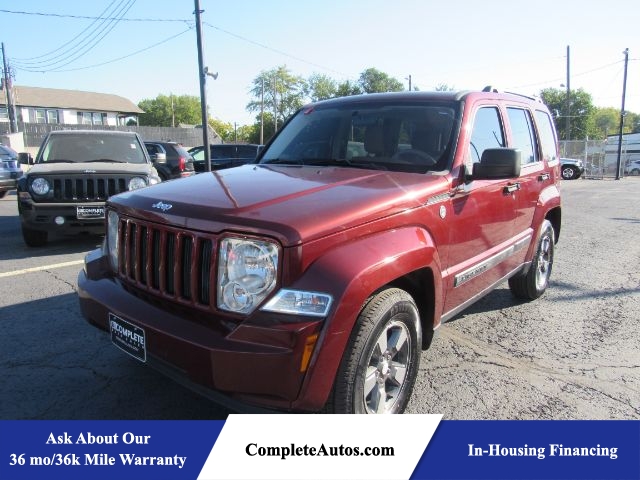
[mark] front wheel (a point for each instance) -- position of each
(534, 283)
(380, 364)
(569, 173)
(34, 238)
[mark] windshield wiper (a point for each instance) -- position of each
(59, 160)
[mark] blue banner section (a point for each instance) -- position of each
(178, 450)
(537, 449)
(106, 450)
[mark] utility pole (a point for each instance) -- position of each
(624, 93)
(567, 119)
(13, 127)
(275, 105)
(262, 113)
(409, 78)
(203, 91)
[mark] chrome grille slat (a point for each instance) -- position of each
(168, 262)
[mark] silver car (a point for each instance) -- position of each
(10, 170)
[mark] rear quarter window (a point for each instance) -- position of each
(547, 136)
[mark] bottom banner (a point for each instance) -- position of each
(320, 447)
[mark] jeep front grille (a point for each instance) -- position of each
(94, 188)
(166, 262)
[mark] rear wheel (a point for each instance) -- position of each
(380, 364)
(533, 284)
(34, 238)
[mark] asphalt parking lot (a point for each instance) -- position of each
(572, 354)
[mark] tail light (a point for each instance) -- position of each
(181, 163)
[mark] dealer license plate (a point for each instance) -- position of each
(128, 337)
(85, 212)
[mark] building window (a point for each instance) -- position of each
(40, 116)
(92, 118)
(52, 116)
(4, 114)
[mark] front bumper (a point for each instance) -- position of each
(256, 361)
(42, 216)
(6, 185)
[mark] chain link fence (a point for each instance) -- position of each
(600, 158)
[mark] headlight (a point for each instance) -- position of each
(112, 238)
(137, 182)
(247, 273)
(299, 302)
(40, 186)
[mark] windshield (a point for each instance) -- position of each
(398, 137)
(94, 147)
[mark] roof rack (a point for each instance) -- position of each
(492, 89)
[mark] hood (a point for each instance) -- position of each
(81, 168)
(291, 203)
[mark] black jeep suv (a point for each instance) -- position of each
(74, 173)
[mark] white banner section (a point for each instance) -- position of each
(282, 447)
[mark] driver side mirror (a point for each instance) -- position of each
(25, 158)
(497, 163)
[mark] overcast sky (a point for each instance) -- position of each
(514, 45)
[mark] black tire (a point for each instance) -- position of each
(380, 364)
(34, 238)
(531, 285)
(569, 173)
(3, 193)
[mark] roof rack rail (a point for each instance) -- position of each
(491, 88)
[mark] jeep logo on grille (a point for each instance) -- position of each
(162, 206)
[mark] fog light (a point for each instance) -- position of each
(59, 220)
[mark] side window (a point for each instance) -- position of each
(151, 148)
(487, 133)
(523, 134)
(547, 136)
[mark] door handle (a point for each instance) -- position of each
(543, 177)
(512, 187)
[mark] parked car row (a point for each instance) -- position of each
(225, 155)
(10, 170)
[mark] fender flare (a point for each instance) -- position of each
(353, 272)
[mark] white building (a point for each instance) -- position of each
(71, 107)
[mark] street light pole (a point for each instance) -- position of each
(203, 90)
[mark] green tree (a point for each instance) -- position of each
(283, 92)
(224, 129)
(348, 88)
(444, 87)
(373, 80)
(606, 121)
(321, 87)
(580, 110)
(170, 110)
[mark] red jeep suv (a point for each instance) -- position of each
(312, 280)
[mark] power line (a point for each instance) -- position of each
(70, 41)
(84, 46)
(280, 52)
(114, 59)
(87, 17)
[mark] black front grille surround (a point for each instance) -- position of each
(84, 188)
(167, 262)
